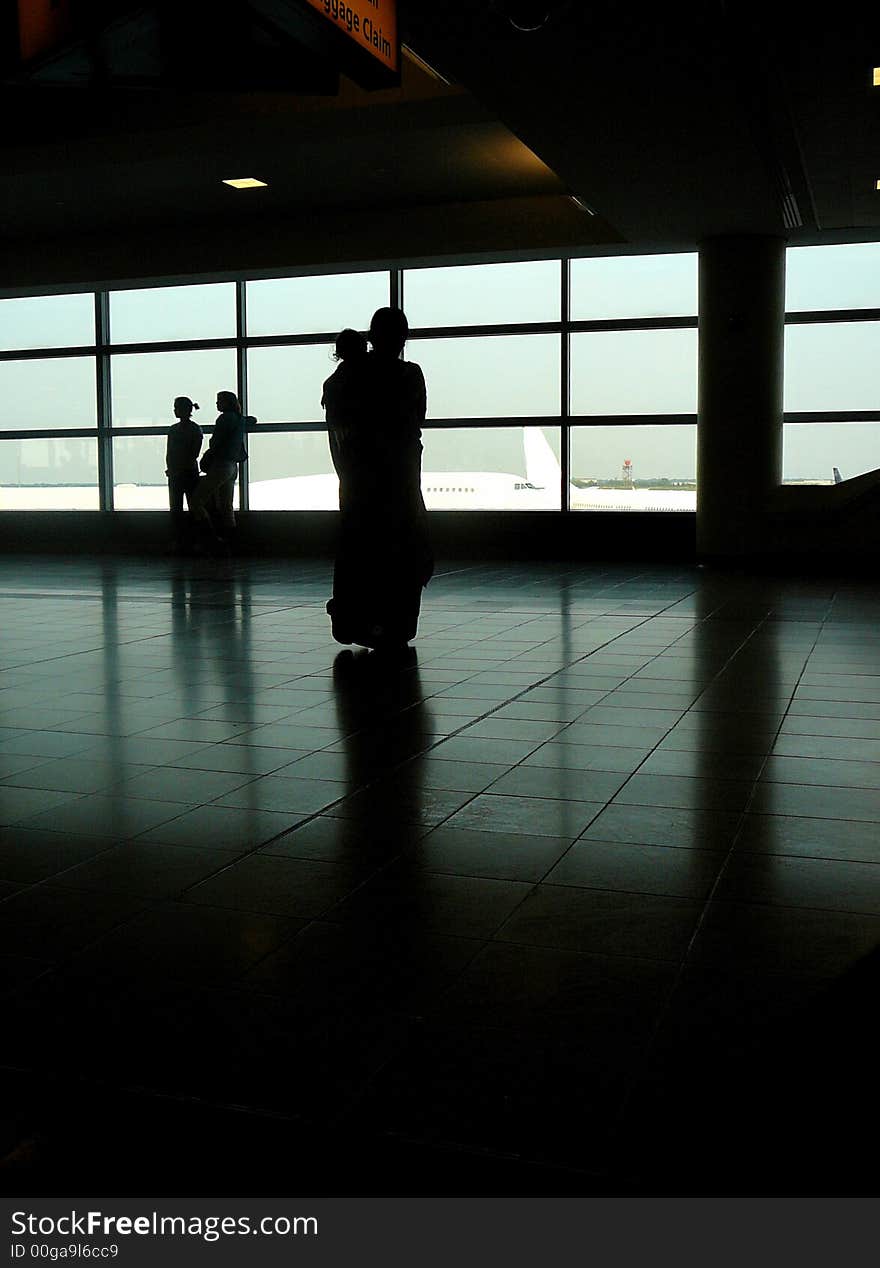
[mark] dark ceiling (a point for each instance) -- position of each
(680, 121)
(142, 157)
(672, 122)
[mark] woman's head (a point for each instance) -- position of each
(388, 331)
(228, 401)
(350, 344)
(183, 406)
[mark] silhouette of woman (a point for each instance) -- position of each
(181, 464)
(384, 557)
(226, 449)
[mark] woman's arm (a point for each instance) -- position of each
(195, 444)
(417, 393)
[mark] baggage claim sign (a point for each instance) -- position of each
(369, 24)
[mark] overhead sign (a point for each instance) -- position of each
(298, 45)
(369, 24)
(42, 26)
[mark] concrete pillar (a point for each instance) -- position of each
(739, 435)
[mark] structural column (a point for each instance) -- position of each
(104, 415)
(739, 436)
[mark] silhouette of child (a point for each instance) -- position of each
(182, 464)
(338, 399)
(350, 344)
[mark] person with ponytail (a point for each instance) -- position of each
(182, 465)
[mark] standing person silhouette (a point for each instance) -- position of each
(226, 449)
(342, 401)
(182, 465)
(384, 557)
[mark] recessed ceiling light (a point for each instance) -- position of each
(246, 182)
(877, 76)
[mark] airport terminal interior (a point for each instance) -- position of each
(579, 894)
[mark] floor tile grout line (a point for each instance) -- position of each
(520, 763)
(705, 907)
(766, 756)
(259, 848)
(686, 958)
(396, 768)
(535, 885)
(580, 836)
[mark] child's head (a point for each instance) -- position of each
(349, 345)
(183, 406)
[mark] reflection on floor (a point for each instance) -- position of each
(582, 898)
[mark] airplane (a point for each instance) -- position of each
(538, 490)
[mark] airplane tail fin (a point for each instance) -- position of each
(542, 465)
(838, 478)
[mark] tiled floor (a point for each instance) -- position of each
(584, 897)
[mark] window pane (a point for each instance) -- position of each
(49, 475)
(634, 468)
(145, 384)
(832, 366)
(634, 372)
(285, 384)
(487, 469)
(45, 395)
(500, 376)
(811, 451)
(291, 471)
(832, 277)
(483, 294)
(315, 305)
(173, 312)
(634, 286)
(139, 482)
(47, 321)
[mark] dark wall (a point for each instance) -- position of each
(548, 226)
(798, 532)
(470, 535)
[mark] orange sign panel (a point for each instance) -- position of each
(42, 26)
(371, 24)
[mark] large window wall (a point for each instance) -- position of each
(832, 349)
(552, 384)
